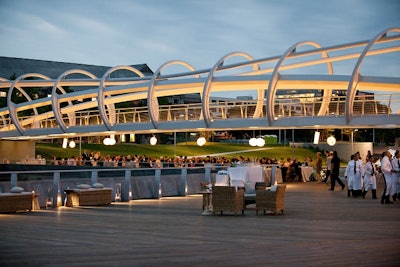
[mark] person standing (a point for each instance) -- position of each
(86, 158)
(358, 181)
(369, 175)
(329, 156)
(353, 176)
(335, 166)
(396, 175)
(386, 167)
(318, 167)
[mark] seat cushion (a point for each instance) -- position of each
(16, 189)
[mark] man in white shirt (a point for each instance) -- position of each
(396, 175)
(353, 176)
(387, 171)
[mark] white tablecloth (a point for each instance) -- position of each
(222, 179)
(246, 176)
(306, 173)
(278, 175)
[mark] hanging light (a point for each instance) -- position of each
(106, 141)
(112, 141)
(109, 141)
(65, 143)
(72, 144)
(316, 137)
(253, 142)
(201, 141)
(260, 142)
(153, 140)
(331, 140)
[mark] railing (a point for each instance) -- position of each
(382, 104)
(126, 183)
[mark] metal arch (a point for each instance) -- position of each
(2, 116)
(352, 89)
(11, 106)
(54, 96)
(271, 91)
(207, 84)
(152, 103)
(100, 94)
(327, 92)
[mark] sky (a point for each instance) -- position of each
(127, 32)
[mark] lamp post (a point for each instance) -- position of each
(174, 144)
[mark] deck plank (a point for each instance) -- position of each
(319, 227)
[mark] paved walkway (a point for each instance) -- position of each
(319, 228)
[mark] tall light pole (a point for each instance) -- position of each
(174, 144)
(352, 141)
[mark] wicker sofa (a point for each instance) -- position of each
(13, 202)
(226, 198)
(272, 201)
(88, 197)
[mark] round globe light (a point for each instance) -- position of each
(260, 142)
(253, 142)
(153, 141)
(331, 140)
(72, 144)
(201, 141)
(111, 141)
(106, 141)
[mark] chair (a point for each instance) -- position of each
(250, 197)
(13, 202)
(226, 198)
(273, 201)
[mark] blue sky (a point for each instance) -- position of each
(119, 32)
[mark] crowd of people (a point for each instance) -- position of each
(93, 158)
(361, 175)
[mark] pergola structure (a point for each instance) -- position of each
(103, 106)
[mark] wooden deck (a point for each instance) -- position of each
(319, 228)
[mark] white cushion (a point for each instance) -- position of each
(98, 185)
(16, 189)
(83, 186)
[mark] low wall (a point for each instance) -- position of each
(126, 184)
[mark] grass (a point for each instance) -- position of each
(188, 149)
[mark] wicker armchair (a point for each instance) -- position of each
(271, 200)
(226, 198)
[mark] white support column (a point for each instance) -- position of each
(157, 192)
(56, 189)
(93, 177)
(126, 191)
(14, 180)
(183, 187)
(207, 173)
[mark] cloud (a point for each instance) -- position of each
(200, 32)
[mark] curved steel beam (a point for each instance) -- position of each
(271, 91)
(2, 116)
(152, 102)
(11, 106)
(54, 97)
(101, 95)
(207, 84)
(355, 77)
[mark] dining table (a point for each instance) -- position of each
(306, 172)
